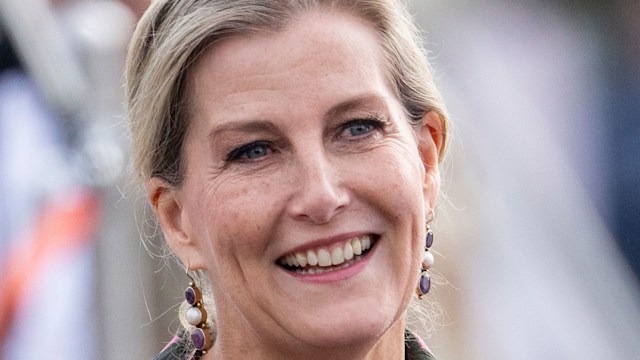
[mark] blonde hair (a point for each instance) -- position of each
(172, 35)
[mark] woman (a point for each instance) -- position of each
(290, 151)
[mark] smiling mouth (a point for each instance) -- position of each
(325, 259)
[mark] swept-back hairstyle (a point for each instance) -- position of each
(174, 33)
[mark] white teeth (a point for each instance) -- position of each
(348, 251)
(312, 259)
(302, 260)
(337, 256)
(330, 259)
(324, 258)
(321, 270)
(357, 247)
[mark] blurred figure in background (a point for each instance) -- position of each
(46, 225)
(59, 158)
(621, 26)
(532, 178)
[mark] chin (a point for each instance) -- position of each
(362, 322)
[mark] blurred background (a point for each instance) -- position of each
(538, 229)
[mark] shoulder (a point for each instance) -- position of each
(415, 349)
(178, 349)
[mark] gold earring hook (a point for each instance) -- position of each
(430, 217)
(189, 275)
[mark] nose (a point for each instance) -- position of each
(320, 193)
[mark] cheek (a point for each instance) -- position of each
(236, 215)
(230, 215)
(401, 180)
(397, 174)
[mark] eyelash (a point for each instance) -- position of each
(241, 153)
(373, 123)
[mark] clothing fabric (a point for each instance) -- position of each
(181, 349)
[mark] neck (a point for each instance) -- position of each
(234, 346)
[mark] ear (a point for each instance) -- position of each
(168, 204)
(430, 141)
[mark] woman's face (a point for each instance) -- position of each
(299, 148)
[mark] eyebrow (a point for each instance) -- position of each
(258, 125)
(263, 125)
(355, 103)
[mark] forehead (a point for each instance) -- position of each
(314, 51)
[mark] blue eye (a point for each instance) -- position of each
(252, 151)
(361, 128)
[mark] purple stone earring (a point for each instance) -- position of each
(424, 285)
(196, 315)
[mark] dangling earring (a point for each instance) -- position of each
(424, 285)
(197, 316)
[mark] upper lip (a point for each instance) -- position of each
(324, 242)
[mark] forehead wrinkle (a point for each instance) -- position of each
(235, 71)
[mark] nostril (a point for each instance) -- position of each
(319, 208)
(319, 197)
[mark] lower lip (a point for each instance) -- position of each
(335, 275)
